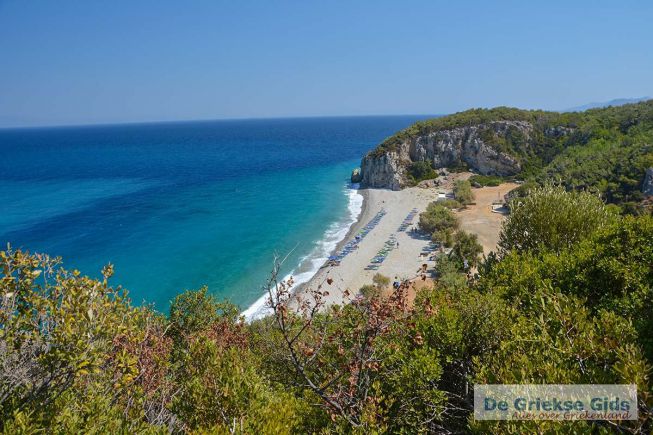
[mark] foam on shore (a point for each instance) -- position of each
(311, 263)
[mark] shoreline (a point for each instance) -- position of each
(303, 272)
(354, 228)
(402, 261)
(389, 245)
(356, 225)
(392, 248)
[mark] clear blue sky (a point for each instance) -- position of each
(79, 62)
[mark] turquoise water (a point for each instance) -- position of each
(179, 205)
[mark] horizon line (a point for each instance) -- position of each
(261, 118)
(181, 121)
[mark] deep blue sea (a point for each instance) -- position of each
(176, 206)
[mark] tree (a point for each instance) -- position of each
(448, 271)
(466, 249)
(437, 218)
(380, 283)
(550, 218)
(421, 170)
(462, 191)
(444, 236)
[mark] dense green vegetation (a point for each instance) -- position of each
(486, 180)
(563, 306)
(437, 217)
(440, 223)
(606, 150)
(615, 169)
(461, 119)
(552, 219)
(419, 171)
(466, 250)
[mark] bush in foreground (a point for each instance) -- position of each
(550, 218)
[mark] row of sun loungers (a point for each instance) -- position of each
(352, 245)
(409, 219)
(383, 253)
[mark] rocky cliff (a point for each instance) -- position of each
(488, 148)
(608, 150)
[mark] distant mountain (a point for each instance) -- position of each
(616, 102)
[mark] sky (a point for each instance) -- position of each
(85, 62)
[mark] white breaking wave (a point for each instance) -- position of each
(318, 256)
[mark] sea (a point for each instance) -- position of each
(178, 206)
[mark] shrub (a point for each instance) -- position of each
(451, 204)
(421, 170)
(380, 281)
(550, 218)
(72, 351)
(486, 180)
(370, 292)
(560, 342)
(457, 167)
(462, 191)
(193, 311)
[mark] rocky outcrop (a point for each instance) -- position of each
(647, 187)
(385, 171)
(477, 146)
(428, 184)
(356, 176)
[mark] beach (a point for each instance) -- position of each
(385, 224)
(403, 262)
